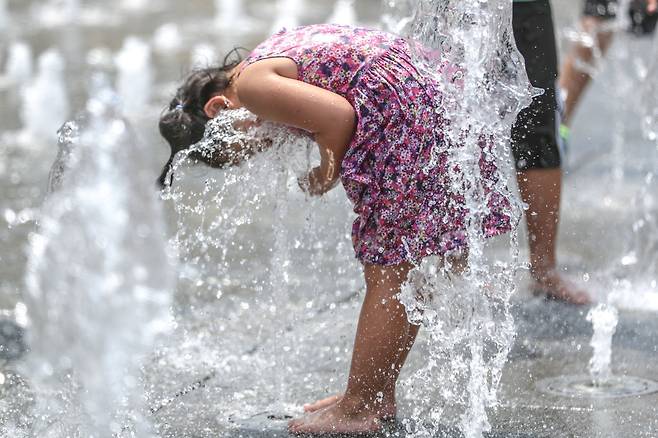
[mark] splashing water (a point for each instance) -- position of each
(469, 46)
(135, 79)
(97, 274)
(604, 320)
(276, 258)
(220, 241)
(289, 156)
(45, 104)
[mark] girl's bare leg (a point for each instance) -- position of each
(383, 334)
(389, 406)
(574, 81)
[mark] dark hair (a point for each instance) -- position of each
(183, 122)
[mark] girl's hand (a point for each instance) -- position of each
(315, 184)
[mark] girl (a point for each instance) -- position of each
(376, 121)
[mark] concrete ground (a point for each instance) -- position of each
(552, 341)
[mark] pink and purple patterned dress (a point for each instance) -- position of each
(405, 212)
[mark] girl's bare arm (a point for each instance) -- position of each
(269, 89)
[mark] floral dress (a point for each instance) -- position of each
(395, 169)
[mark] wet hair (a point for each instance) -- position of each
(183, 122)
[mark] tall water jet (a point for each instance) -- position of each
(98, 282)
(135, 75)
(604, 320)
(343, 13)
(469, 47)
(18, 69)
(45, 104)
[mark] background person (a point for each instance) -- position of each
(536, 151)
(573, 80)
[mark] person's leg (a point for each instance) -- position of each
(383, 334)
(541, 190)
(573, 80)
(458, 264)
(535, 147)
(389, 405)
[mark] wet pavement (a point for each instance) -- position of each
(552, 341)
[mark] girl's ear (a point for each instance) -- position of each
(215, 105)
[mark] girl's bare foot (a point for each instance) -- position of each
(339, 418)
(387, 411)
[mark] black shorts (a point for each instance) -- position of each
(642, 23)
(535, 133)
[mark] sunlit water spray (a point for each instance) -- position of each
(604, 320)
(259, 262)
(601, 382)
(469, 47)
(98, 282)
(469, 323)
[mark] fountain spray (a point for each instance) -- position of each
(469, 47)
(604, 320)
(98, 273)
